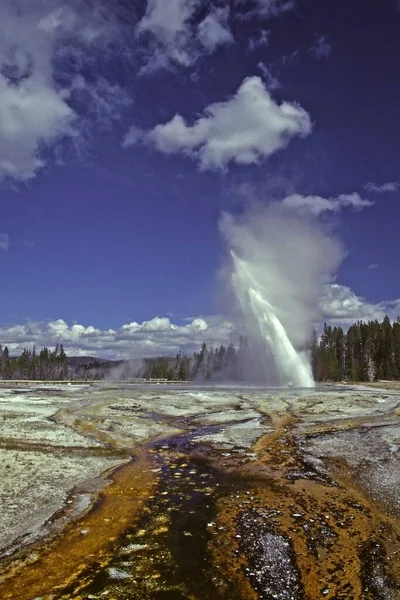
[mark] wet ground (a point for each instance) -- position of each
(225, 493)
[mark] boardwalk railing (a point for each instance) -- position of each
(135, 380)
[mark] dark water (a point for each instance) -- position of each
(165, 555)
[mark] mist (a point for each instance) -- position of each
(278, 263)
(128, 369)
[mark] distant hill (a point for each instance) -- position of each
(90, 367)
(86, 361)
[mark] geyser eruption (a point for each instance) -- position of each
(293, 367)
(281, 261)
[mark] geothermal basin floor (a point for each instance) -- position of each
(199, 493)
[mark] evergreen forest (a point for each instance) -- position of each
(366, 352)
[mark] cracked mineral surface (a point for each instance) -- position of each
(141, 493)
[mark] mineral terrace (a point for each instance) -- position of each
(199, 493)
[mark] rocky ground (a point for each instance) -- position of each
(229, 492)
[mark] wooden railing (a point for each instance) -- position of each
(135, 380)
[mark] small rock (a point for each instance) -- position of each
(118, 573)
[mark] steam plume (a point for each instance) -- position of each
(280, 261)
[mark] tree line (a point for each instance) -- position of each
(44, 365)
(366, 352)
(224, 363)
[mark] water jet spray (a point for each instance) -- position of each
(292, 366)
(280, 261)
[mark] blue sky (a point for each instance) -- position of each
(125, 133)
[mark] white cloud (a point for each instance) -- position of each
(133, 136)
(264, 8)
(103, 100)
(390, 186)
(268, 7)
(166, 20)
(261, 40)
(372, 266)
(35, 110)
(170, 34)
(321, 48)
(245, 129)
(214, 30)
(168, 26)
(133, 340)
(342, 306)
(271, 81)
(32, 115)
(317, 204)
(159, 336)
(4, 242)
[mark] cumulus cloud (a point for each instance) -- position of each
(171, 33)
(246, 128)
(133, 136)
(4, 242)
(168, 28)
(390, 186)
(340, 305)
(316, 204)
(214, 30)
(32, 112)
(36, 109)
(174, 37)
(372, 266)
(158, 336)
(32, 115)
